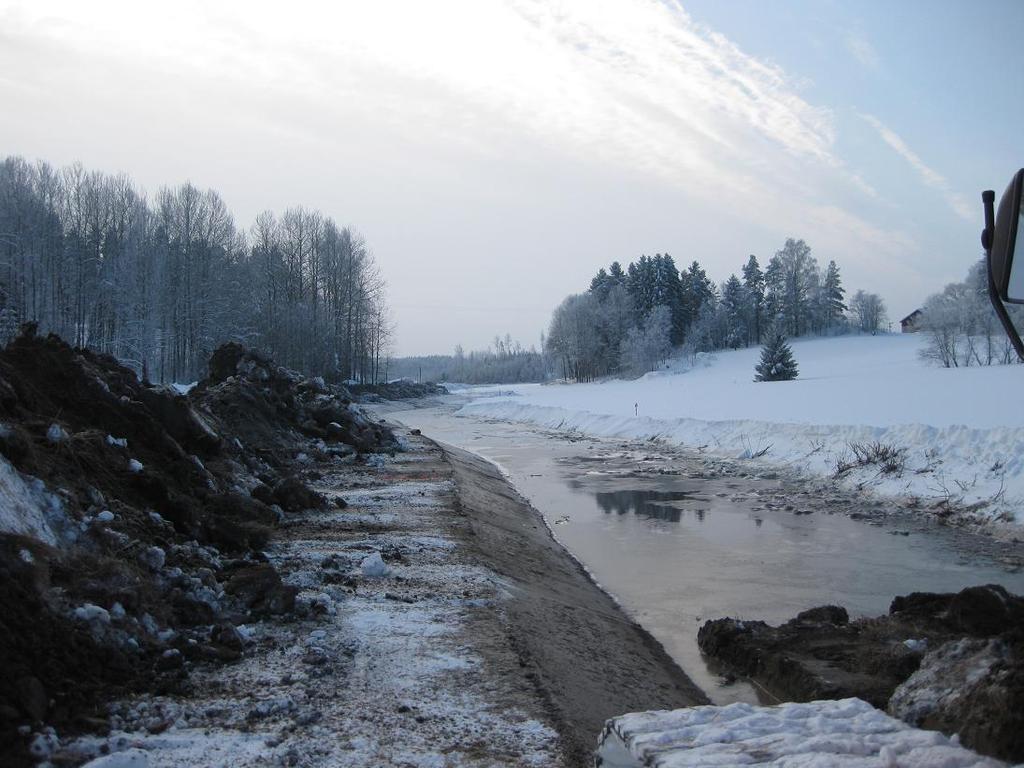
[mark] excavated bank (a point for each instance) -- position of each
(588, 661)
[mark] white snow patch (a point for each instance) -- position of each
(130, 758)
(819, 734)
(374, 567)
(135, 466)
(27, 508)
(56, 433)
(92, 614)
(184, 389)
(118, 442)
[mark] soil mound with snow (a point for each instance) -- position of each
(132, 520)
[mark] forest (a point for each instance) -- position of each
(630, 320)
(160, 283)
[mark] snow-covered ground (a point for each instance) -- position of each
(958, 438)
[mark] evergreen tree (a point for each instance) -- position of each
(753, 281)
(833, 293)
(600, 284)
(777, 363)
(695, 291)
(734, 305)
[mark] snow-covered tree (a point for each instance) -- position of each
(645, 347)
(159, 284)
(869, 310)
(777, 363)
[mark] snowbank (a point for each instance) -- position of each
(958, 442)
(819, 734)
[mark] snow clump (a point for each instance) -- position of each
(373, 567)
(56, 434)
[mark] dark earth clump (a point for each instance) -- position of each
(921, 661)
(157, 506)
(403, 389)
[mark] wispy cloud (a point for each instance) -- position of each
(929, 175)
(863, 51)
(625, 89)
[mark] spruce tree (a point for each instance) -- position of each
(833, 297)
(777, 363)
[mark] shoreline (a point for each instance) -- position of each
(588, 660)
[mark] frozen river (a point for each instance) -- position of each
(679, 538)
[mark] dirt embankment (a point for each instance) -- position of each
(133, 521)
(948, 662)
(587, 659)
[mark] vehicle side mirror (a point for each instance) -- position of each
(1007, 240)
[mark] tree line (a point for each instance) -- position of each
(629, 320)
(160, 283)
(505, 362)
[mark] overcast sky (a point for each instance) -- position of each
(496, 153)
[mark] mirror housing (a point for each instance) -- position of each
(1006, 235)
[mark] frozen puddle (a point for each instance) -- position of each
(848, 733)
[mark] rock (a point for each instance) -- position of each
(973, 687)
(239, 506)
(985, 610)
(263, 493)
(260, 589)
(293, 495)
(153, 558)
(824, 614)
(228, 636)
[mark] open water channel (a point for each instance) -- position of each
(679, 538)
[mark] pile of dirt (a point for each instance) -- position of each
(266, 406)
(952, 662)
(403, 389)
(132, 520)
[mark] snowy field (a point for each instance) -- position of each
(947, 440)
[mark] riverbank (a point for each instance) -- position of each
(866, 415)
(446, 627)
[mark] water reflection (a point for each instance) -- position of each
(653, 504)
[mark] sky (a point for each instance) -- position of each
(496, 153)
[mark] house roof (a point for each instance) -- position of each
(911, 316)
